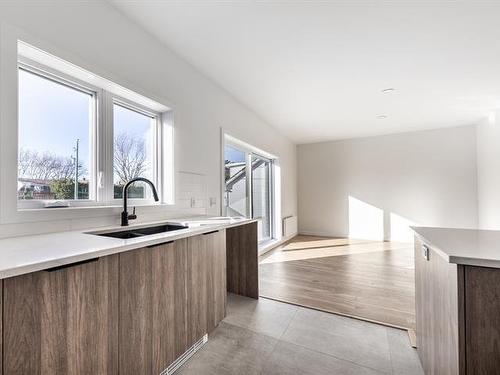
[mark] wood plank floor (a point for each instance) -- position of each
(371, 280)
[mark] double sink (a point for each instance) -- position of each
(140, 232)
(165, 227)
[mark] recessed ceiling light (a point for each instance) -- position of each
(381, 117)
(388, 90)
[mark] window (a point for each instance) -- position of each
(81, 138)
(55, 150)
(133, 150)
(235, 167)
(248, 187)
(261, 194)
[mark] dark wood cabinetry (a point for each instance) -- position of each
(153, 315)
(206, 285)
(458, 315)
(482, 320)
(242, 260)
(436, 294)
(63, 321)
(134, 312)
(170, 296)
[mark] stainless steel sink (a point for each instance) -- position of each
(140, 232)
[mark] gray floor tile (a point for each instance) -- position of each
(290, 359)
(360, 342)
(263, 315)
(312, 342)
(404, 358)
(231, 350)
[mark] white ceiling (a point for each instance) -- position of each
(315, 70)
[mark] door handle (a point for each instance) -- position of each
(159, 244)
(425, 252)
(64, 266)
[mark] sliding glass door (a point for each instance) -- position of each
(235, 174)
(248, 187)
(261, 194)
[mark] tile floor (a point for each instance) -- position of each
(269, 337)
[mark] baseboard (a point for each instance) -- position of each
(274, 244)
(412, 336)
(322, 234)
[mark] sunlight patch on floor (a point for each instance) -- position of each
(309, 248)
(306, 242)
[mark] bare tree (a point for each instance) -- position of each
(130, 159)
(46, 166)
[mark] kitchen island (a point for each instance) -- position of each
(82, 303)
(457, 286)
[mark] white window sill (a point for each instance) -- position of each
(130, 204)
(31, 215)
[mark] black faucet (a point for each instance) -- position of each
(125, 215)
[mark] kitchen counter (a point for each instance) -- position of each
(78, 303)
(463, 246)
(457, 300)
(21, 255)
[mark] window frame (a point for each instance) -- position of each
(157, 144)
(270, 190)
(101, 169)
(251, 151)
(62, 79)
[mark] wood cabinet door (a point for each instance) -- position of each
(153, 302)
(242, 260)
(206, 283)
(437, 296)
(63, 321)
(482, 320)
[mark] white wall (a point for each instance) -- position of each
(100, 39)
(426, 177)
(488, 172)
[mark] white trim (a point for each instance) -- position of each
(222, 162)
(250, 151)
(156, 142)
(270, 192)
(107, 147)
(249, 184)
(9, 213)
(38, 70)
(166, 157)
(33, 53)
(242, 145)
(273, 244)
(322, 234)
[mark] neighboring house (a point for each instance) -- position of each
(31, 188)
(28, 188)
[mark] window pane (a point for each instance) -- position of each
(235, 197)
(54, 139)
(261, 195)
(133, 151)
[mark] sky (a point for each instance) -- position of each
(136, 125)
(234, 155)
(53, 116)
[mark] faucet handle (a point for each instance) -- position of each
(133, 216)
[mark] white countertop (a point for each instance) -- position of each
(20, 255)
(464, 246)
